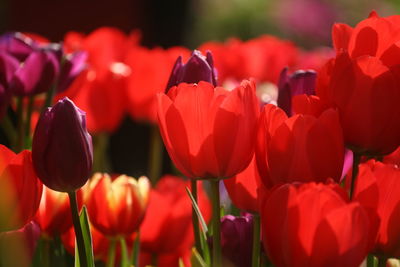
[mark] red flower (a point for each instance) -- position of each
(314, 225)
(117, 206)
(151, 69)
(54, 213)
(20, 189)
(167, 227)
(378, 189)
(363, 83)
(243, 188)
(300, 148)
(209, 132)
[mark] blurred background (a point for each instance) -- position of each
(188, 23)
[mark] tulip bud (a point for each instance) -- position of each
(237, 239)
(62, 149)
(300, 82)
(198, 68)
(117, 207)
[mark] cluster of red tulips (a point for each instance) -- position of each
(306, 145)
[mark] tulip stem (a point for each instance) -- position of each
(125, 261)
(216, 218)
(195, 220)
(356, 162)
(256, 240)
(155, 156)
(49, 97)
(9, 130)
(28, 121)
(136, 250)
(78, 229)
(111, 253)
(20, 122)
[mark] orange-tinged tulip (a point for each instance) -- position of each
(20, 189)
(117, 206)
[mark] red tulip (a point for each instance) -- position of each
(362, 82)
(300, 148)
(243, 188)
(54, 213)
(209, 132)
(393, 158)
(378, 189)
(17, 247)
(117, 206)
(314, 225)
(20, 189)
(167, 227)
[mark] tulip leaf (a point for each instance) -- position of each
(87, 238)
(196, 260)
(198, 212)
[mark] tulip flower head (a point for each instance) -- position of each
(208, 131)
(62, 149)
(117, 206)
(198, 68)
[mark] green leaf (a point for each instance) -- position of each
(87, 238)
(196, 260)
(198, 212)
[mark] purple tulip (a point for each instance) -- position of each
(17, 45)
(62, 149)
(8, 66)
(36, 75)
(198, 68)
(298, 83)
(73, 65)
(237, 239)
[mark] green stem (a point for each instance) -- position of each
(155, 155)
(28, 121)
(124, 253)
(45, 253)
(195, 220)
(78, 229)
(370, 260)
(49, 97)
(256, 241)
(356, 162)
(111, 253)
(9, 130)
(136, 250)
(216, 222)
(20, 122)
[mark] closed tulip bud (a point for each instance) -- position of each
(314, 225)
(209, 132)
(20, 189)
(300, 82)
(197, 68)
(62, 149)
(237, 239)
(117, 206)
(301, 148)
